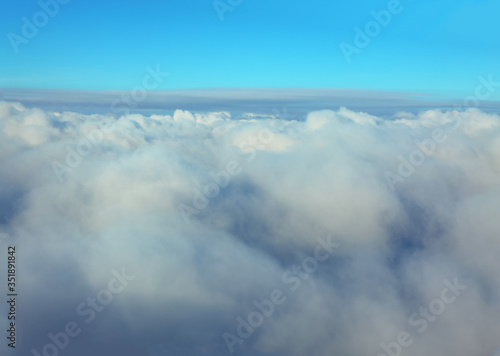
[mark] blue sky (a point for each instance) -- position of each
(102, 45)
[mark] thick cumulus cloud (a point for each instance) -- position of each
(217, 220)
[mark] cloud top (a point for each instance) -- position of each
(212, 212)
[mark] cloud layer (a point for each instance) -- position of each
(240, 100)
(211, 214)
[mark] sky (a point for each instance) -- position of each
(433, 47)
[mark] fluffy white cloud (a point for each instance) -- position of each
(209, 212)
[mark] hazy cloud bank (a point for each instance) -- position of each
(86, 194)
